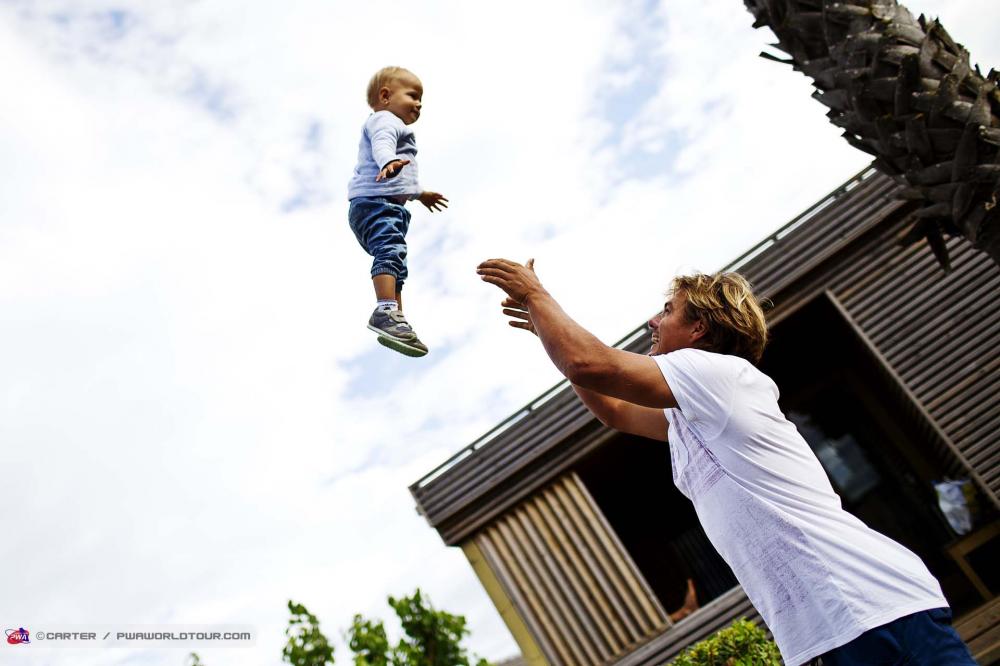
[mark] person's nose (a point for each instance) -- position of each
(653, 323)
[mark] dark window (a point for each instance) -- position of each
(630, 479)
(878, 456)
(852, 474)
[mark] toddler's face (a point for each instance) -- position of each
(402, 97)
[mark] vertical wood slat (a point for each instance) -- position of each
(509, 573)
(623, 562)
(531, 653)
(605, 569)
(593, 638)
(599, 587)
(574, 585)
(560, 623)
(605, 623)
(519, 593)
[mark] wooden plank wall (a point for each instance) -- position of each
(940, 334)
(574, 585)
(936, 333)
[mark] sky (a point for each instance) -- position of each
(196, 424)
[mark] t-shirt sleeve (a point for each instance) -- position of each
(384, 130)
(704, 385)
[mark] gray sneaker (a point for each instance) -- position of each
(396, 333)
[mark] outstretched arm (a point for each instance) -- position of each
(612, 412)
(576, 353)
(625, 416)
(391, 169)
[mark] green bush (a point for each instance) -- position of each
(740, 644)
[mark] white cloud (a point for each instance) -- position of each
(196, 424)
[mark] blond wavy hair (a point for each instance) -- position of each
(381, 78)
(733, 316)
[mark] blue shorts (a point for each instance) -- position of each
(380, 225)
(921, 639)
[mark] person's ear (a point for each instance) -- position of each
(384, 94)
(698, 330)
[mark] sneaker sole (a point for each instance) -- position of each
(404, 349)
(383, 334)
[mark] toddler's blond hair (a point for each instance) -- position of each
(383, 77)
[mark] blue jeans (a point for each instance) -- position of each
(380, 225)
(921, 639)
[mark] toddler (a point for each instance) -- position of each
(384, 179)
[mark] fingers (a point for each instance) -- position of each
(434, 201)
(530, 265)
(498, 264)
(390, 169)
(492, 279)
(517, 314)
(498, 281)
(523, 326)
(495, 273)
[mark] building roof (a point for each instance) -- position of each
(534, 444)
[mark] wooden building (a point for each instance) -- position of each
(889, 367)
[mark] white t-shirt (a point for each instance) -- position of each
(817, 575)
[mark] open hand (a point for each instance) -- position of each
(391, 169)
(433, 201)
(518, 281)
(517, 311)
(519, 315)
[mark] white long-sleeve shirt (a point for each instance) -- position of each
(385, 138)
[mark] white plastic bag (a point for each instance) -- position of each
(955, 498)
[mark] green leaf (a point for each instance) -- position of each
(307, 645)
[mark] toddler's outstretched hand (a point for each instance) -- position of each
(391, 169)
(433, 201)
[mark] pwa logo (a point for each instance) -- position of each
(15, 636)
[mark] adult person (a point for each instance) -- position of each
(828, 586)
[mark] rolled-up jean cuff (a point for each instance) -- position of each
(384, 270)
